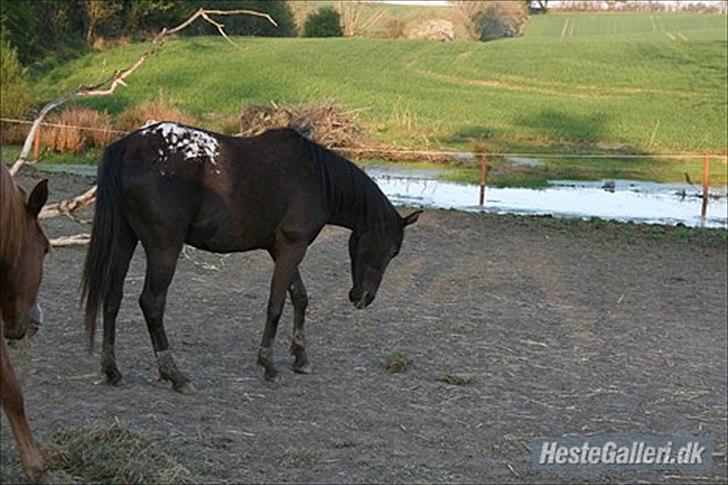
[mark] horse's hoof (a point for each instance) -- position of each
(39, 476)
(42, 479)
(180, 382)
(302, 369)
(184, 387)
(113, 377)
(272, 375)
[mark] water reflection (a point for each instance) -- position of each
(622, 200)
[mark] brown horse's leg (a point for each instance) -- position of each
(161, 264)
(298, 340)
(12, 399)
(123, 251)
(286, 259)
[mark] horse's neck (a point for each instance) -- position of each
(355, 208)
(11, 227)
(341, 215)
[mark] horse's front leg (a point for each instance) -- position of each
(12, 402)
(286, 259)
(299, 298)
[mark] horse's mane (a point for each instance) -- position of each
(12, 208)
(351, 193)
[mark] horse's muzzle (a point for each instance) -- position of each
(28, 324)
(35, 320)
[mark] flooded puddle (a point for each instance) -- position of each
(621, 200)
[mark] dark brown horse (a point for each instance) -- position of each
(167, 184)
(23, 246)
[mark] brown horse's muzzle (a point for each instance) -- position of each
(28, 324)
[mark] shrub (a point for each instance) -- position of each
(501, 19)
(160, 109)
(72, 139)
(433, 29)
(393, 29)
(324, 22)
(15, 98)
(489, 20)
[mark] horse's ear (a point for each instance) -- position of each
(38, 198)
(412, 218)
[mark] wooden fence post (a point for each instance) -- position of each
(483, 173)
(706, 186)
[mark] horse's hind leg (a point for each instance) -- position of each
(124, 246)
(299, 298)
(161, 264)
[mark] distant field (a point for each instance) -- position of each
(574, 83)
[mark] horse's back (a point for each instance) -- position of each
(216, 192)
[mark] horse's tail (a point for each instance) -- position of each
(99, 263)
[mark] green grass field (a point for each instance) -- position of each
(635, 83)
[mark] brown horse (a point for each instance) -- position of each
(23, 246)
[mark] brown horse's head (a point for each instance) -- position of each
(370, 255)
(23, 246)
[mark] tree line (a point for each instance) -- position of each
(42, 28)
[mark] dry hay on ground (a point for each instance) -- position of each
(111, 453)
(327, 123)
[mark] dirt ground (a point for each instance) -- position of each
(516, 327)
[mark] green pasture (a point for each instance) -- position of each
(636, 83)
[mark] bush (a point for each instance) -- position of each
(501, 19)
(393, 29)
(324, 22)
(160, 109)
(15, 98)
(433, 29)
(69, 137)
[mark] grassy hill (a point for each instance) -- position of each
(574, 83)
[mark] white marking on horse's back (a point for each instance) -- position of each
(192, 143)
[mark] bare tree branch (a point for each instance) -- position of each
(69, 206)
(117, 79)
(75, 240)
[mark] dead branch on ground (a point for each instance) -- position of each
(69, 206)
(76, 240)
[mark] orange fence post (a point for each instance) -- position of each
(706, 185)
(483, 172)
(36, 144)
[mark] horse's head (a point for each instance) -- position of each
(370, 254)
(22, 277)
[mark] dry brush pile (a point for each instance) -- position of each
(328, 123)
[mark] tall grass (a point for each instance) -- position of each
(67, 134)
(158, 109)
